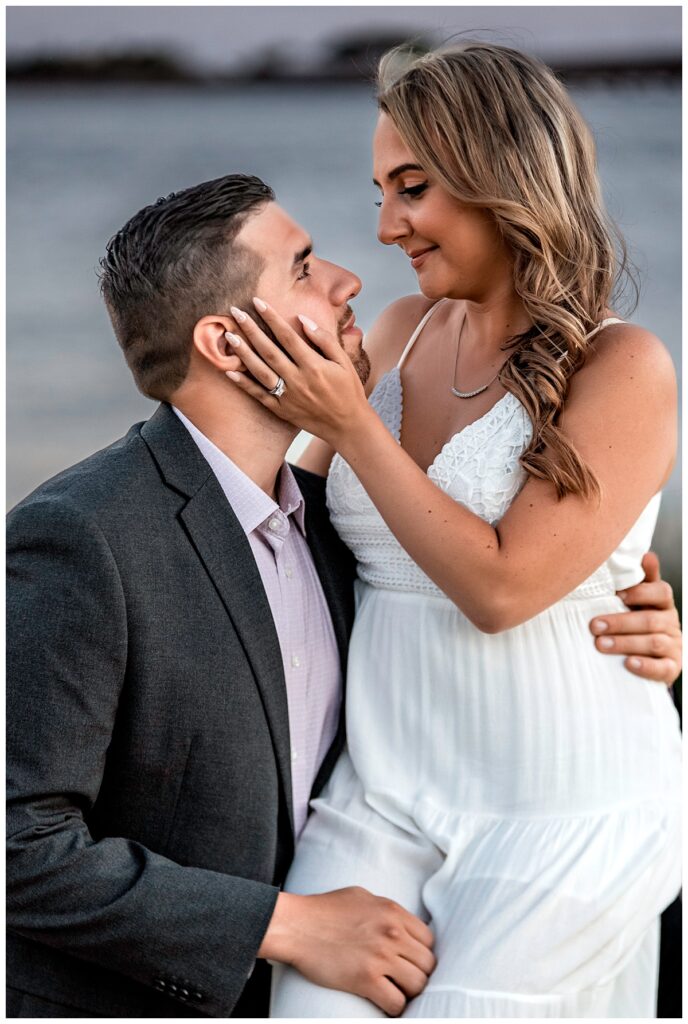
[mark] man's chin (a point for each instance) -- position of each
(361, 363)
(359, 359)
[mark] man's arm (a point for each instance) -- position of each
(650, 634)
(110, 901)
(355, 942)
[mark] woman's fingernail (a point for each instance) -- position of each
(233, 375)
(622, 594)
(233, 339)
(307, 322)
(635, 662)
(260, 305)
(238, 314)
(599, 625)
(606, 642)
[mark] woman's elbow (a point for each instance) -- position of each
(492, 613)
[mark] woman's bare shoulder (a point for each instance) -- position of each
(626, 389)
(386, 339)
(626, 352)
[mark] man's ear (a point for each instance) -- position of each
(210, 342)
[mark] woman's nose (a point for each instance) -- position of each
(391, 228)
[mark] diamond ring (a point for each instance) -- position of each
(279, 388)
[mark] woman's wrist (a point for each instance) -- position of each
(350, 436)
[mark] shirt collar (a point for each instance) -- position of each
(251, 505)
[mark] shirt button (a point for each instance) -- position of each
(289, 572)
(294, 755)
(274, 524)
(295, 661)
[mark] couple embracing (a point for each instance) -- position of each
(382, 720)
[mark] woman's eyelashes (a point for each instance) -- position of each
(414, 191)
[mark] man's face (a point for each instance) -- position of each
(295, 281)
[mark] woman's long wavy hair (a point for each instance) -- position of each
(497, 130)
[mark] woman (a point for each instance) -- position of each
(503, 780)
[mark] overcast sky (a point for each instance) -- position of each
(221, 36)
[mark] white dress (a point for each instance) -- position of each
(518, 791)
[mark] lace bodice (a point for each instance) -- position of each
(478, 467)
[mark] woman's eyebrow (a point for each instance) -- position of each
(399, 170)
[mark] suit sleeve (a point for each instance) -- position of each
(110, 901)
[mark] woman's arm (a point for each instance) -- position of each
(620, 415)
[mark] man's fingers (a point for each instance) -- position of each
(651, 645)
(409, 978)
(650, 564)
(657, 594)
(624, 623)
(419, 930)
(657, 670)
(388, 997)
(419, 955)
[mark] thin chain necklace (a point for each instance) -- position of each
(478, 391)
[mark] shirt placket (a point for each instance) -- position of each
(292, 641)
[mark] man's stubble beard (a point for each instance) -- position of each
(360, 361)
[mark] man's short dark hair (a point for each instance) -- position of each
(173, 263)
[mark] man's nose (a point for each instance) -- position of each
(345, 285)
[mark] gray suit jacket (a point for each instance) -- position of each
(149, 815)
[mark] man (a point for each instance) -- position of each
(179, 608)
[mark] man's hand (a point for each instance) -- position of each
(355, 942)
(650, 636)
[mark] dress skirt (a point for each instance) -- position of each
(519, 792)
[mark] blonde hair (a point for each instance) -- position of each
(498, 131)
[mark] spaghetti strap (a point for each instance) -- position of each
(412, 340)
(419, 328)
(604, 323)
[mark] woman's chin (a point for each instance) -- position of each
(431, 289)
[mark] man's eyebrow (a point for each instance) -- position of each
(396, 171)
(303, 255)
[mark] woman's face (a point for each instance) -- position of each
(456, 250)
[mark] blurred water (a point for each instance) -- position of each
(81, 162)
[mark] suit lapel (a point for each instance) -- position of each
(224, 550)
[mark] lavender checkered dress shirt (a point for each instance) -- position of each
(276, 533)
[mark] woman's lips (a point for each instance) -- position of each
(419, 259)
